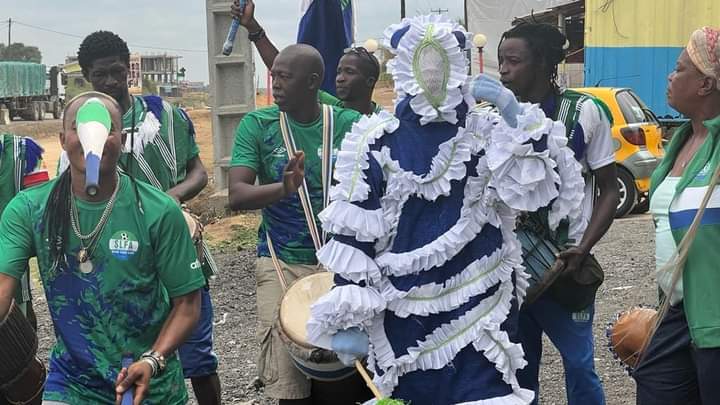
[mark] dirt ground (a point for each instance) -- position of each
(626, 254)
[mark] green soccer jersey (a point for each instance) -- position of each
(166, 136)
(20, 167)
(259, 146)
(118, 306)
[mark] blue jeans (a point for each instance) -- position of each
(196, 354)
(673, 370)
(571, 333)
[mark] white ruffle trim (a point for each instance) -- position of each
(525, 180)
(348, 262)
(146, 133)
(477, 210)
(344, 218)
(434, 298)
(508, 357)
(352, 159)
(520, 397)
(440, 347)
(447, 165)
(406, 78)
(568, 204)
(517, 397)
(343, 307)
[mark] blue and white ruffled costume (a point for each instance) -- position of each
(425, 256)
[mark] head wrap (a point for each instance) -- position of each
(704, 51)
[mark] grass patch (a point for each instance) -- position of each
(234, 233)
(241, 237)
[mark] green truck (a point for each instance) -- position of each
(29, 91)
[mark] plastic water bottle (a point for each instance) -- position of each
(230, 40)
(129, 395)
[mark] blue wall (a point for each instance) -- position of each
(643, 69)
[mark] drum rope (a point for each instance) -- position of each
(303, 192)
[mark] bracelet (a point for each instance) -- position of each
(157, 359)
(257, 35)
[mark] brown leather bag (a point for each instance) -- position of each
(627, 336)
(576, 290)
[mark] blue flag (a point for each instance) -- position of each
(327, 25)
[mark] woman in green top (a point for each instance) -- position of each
(115, 282)
(682, 362)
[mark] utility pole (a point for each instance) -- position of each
(439, 10)
(9, 31)
(402, 9)
(465, 16)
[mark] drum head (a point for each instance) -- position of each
(191, 223)
(295, 305)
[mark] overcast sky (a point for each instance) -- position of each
(175, 24)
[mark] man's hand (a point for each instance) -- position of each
(138, 375)
(294, 173)
(573, 259)
(246, 15)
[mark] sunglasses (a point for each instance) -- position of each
(362, 52)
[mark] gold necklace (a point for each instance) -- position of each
(86, 252)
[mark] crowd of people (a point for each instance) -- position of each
(426, 217)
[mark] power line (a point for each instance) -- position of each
(439, 10)
(132, 45)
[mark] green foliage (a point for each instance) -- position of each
(242, 238)
(18, 52)
(390, 401)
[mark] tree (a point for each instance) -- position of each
(20, 53)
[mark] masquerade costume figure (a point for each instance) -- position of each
(427, 267)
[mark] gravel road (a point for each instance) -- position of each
(626, 253)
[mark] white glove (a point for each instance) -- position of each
(350, 345)
(488, 89)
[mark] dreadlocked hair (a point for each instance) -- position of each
(101, 44)
(56, 218)
(546, 43)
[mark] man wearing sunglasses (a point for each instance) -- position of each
(356, 75)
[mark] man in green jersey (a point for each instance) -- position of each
(357, 71)
(165, 155)
(260, 153)
(116, 284)
(20, 167)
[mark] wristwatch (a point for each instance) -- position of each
(156, 358)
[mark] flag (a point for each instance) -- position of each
(327, 25)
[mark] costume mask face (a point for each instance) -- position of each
(430, 66)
